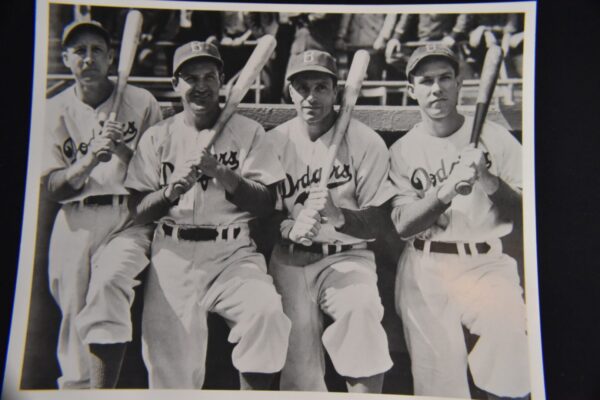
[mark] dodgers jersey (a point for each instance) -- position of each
(358, 179)
(167, 146)
(420, 162)
(73, 124)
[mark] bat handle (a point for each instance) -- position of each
(106, 156)
(463, 188)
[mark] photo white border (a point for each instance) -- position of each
(21, 306)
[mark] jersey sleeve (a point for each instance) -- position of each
(60, 148)
(399, 176)
(511, 168)
(373, 187)
(262, 163)
(143, 173)
(153, 113)
(275, 139)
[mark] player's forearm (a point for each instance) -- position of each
(253, 197)
(77, 174)
(123, 152)
(418, 216)
(365, 223)
(507, 199)
(65, 183)
(228, 178)
(148, 207)
(58, 187)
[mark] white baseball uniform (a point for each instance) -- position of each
(355, 341)
(478, 286)
(95, 254)
(190, 276)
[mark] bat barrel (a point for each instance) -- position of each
(489, 76)
(129, 43)
(356, 76)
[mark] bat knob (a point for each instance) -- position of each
(104, 156)
(463, 188)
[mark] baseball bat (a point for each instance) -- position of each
(489, 76)
(259, 57)
(129, 43)
(356, 75)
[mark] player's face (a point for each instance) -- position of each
(88, 57)
(313, 94)
(198, 84)
(436, 87)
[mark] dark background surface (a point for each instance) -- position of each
(567, 182)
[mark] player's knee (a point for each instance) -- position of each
(113, 282)
(355, 300)
(263, 300)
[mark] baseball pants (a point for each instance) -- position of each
(436, 294)
(186, 280)
(93, 262)
(355, 340)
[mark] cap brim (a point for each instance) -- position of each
(311, 68)
(416, 63)
(193, 57)
(84, 26)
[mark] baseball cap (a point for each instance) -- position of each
(312, 60)
(78, 26)
(430, 50)
(195, 49)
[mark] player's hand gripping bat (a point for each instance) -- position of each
(489, 76)
(129, 43)
(356, 75)
(259, 57)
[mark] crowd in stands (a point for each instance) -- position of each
(389, 38)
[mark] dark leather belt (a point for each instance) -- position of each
(451, 248)
(103, 200)
(198, 234)
(319, 248)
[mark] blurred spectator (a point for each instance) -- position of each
(235, 29)
(367, 31)
(450, 29)
(505, 30)
(273, 75)
(177, 26)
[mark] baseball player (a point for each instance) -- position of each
(95, 255)
(334, 275)
(203, 259)
(453, 272)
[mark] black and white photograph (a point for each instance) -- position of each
(300, 200)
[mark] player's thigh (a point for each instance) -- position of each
(125, 254)
(349, 284)
(177, 284)
(294, 274)
(494, 299)
(243, 288)
(75, 234)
